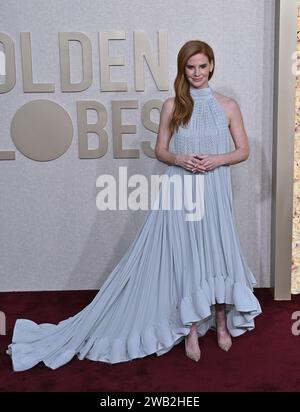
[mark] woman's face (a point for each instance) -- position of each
(197, 70)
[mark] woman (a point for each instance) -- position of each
(184, 273)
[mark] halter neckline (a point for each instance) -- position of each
(198, 92)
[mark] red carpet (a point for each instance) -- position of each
(265, 359)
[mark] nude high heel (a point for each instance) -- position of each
(225, 344)
(195, 356)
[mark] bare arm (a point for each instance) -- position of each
(239, 136)
(164, 134)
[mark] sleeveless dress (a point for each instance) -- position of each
(185, 258)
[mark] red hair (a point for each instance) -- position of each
(184, 104)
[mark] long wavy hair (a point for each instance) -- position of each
(183, 105)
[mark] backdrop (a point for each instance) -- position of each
(52, 234)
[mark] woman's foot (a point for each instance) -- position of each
(223, 336)
(224, 339)
(192, 349)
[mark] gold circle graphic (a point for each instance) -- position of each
(42, 130)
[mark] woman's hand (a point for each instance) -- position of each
(209, 161)
(190, 162)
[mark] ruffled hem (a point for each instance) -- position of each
(241, 308)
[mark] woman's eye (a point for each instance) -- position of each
(201, 67)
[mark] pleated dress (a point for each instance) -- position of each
(185, 258)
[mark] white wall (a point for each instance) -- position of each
(52, 235)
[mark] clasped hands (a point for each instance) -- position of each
(201, 162)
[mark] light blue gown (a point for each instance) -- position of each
(178, 266)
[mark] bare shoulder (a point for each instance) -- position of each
(167, 108)
(229, 105)
(227, 102)
(169, 103)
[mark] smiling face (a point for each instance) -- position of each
(197, 70)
